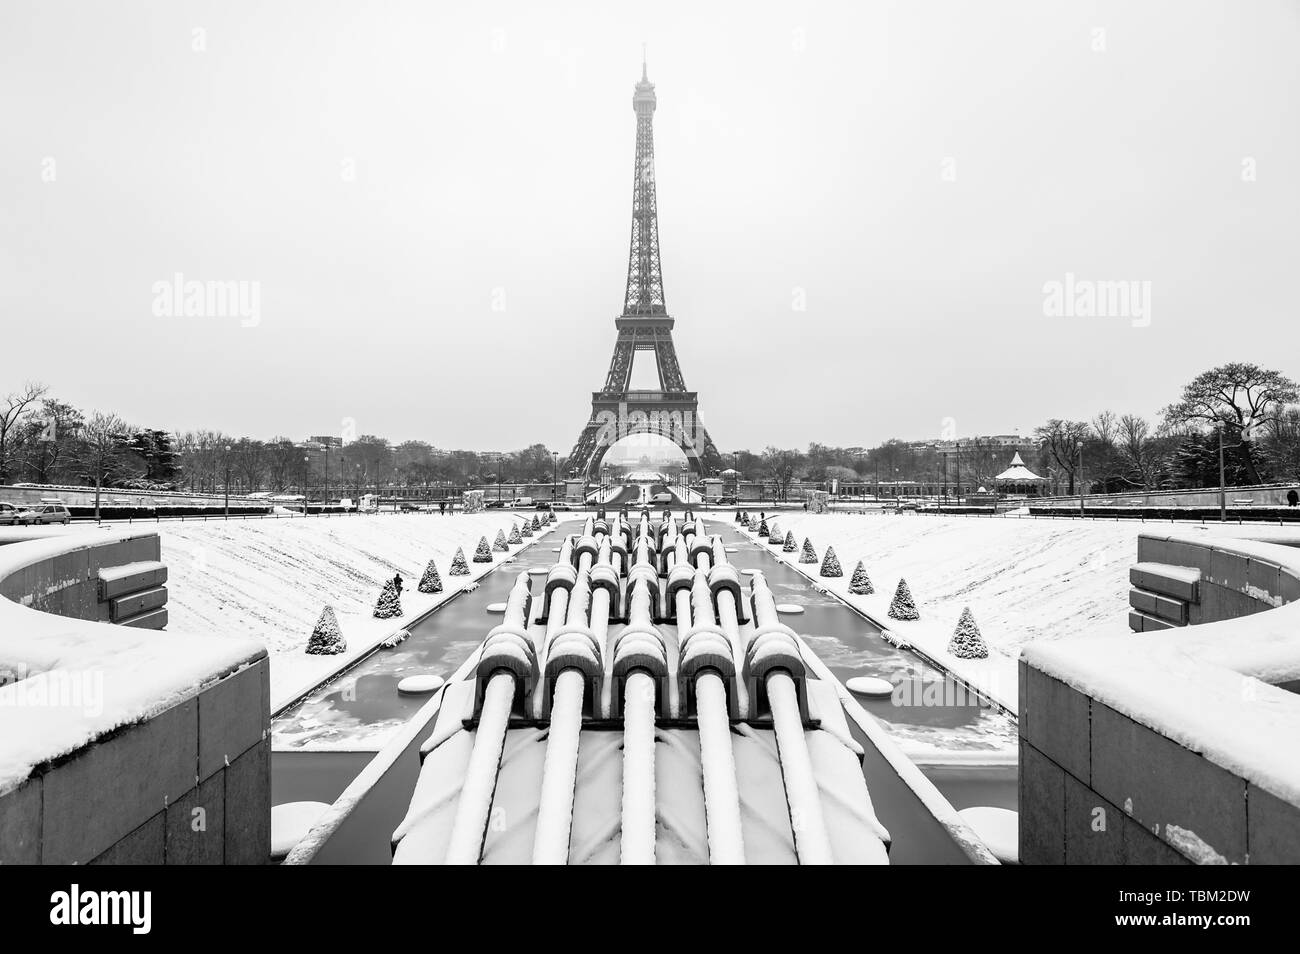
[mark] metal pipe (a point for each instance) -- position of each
(637, 844)
(474, 806)
(811, 843)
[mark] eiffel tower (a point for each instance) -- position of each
(617, 410)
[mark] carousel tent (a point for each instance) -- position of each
(1018, 478)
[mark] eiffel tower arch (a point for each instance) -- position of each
(619, 410)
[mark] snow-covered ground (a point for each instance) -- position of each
(1022, 579)
(269, 579)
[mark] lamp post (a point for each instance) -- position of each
(1082, 508)
(306, 459)
(327, 474)
(227, 484)
(555, 473)
(1223, 497)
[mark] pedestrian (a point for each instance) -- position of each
(397, 584)
(442, 507)
(1292, 498)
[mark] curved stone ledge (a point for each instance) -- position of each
(1183, 738)
(122, 743)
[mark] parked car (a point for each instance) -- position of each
(8, 514)
(544, 504)
(48, 512)
(726, 501)
(521, 503)
(561, 505)
(662, 497)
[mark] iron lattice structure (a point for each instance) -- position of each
(617, 410)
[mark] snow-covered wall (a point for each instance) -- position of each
(121, 743)
(1175, 745)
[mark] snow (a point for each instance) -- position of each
(637, 846)
(421, 684)
(998, 828)
(790, 609)
(267, 580)
(86, 679)
(1024, 580)
(290, 823)
(870, 686)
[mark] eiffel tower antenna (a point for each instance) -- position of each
(618, 410)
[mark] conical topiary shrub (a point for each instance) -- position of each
(903, 606)
(774, 533)
(514, 539)
(860, 585)
(389, 603)
(483, 554)
(458, 565)
(431, 582)
(326, 639)
(831, 564)
(737, 520)
(789, 546)
(808, 555)
(762, 528)
(499, 544)
(527, 531)
(536, 524)
(966, 642)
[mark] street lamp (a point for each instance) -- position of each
(227, 484)
(555, 472)
(306, 459)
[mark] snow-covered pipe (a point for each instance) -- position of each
(469, 829)
(721, 793)
(773, 658)
(560, 771)
(706, 660)
(637, 845)
(812, 844)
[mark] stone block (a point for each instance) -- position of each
(144, 846)
(151, 573)
(1227, 570)
(196, 825)
(133, 604)
(1042, 808)
(1094, 831)
(20, 824)
(102, 792)
(1058, 722)
(152, 619)
(1166, 580)
(233, 716)
(248, 807)
(1143, 847)
(1263, 580)
(1162, 783)
(1274, 828)
(1289, 587)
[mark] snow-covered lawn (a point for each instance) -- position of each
(269, 579)
(1022, 579)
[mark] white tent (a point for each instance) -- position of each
(1018, 473)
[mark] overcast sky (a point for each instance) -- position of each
(434, 200)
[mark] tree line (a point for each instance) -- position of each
(1250, 410)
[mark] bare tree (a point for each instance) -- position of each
(15, 409)
(1061, 441)
(102, 449)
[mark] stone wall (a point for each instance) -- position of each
(1103, 786)
(187, 781)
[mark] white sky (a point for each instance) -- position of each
(799, 146)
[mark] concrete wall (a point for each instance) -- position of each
(1271, 495)
(1098, 786)
(85, 497)
(187, 784)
